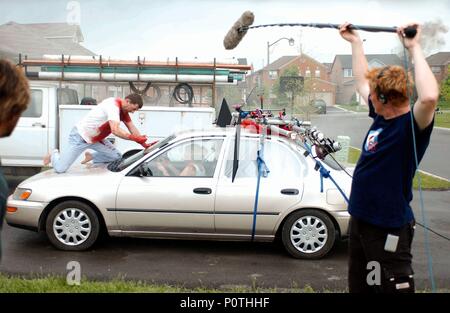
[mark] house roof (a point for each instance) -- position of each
(57, 30)
(440, 58)
(285, 60)
(388, 59)
(28, 39)
(242, 61)
(328, 66)
(280, 62)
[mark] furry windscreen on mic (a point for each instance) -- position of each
(234, 36)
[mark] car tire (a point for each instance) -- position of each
(72, 226)
(308, 234)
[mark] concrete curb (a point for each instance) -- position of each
(342, 109)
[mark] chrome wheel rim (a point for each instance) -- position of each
(72, 227)
(309, 234)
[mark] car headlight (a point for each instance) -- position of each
(21, 194)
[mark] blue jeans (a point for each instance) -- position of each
(105, 152)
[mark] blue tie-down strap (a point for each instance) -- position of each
(264, 171)
(324, 173)
(262, 166)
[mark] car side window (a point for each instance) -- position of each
(34, 109)
(279, 158)
(194, 158)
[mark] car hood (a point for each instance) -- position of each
(80, 171)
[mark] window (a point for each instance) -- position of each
(67, 96)
(308, 73)
(436, 69)
(317, 73)
(273, 74)
(280, 159)
(375, 63)
(195, 158)
(35, 106)
(348, 72)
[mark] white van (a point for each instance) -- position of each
(53, 112)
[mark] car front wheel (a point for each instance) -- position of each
(308, 234)
(72, 225)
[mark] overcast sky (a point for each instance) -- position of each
(195, 28)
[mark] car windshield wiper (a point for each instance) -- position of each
(114, 166)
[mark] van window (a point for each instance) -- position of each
(35, 106)
(67, 96)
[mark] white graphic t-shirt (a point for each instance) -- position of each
(94, 127)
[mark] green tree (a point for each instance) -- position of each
(292, 88)
(299, 96)
(233, 94)
(445, 88)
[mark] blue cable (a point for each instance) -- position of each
(422, 207)
(264, 171)
(325, 173)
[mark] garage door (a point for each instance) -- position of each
(325, 96)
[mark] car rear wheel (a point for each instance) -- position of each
(308, 234)
(72, 225)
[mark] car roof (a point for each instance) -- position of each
(213, 131)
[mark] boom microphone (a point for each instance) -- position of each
(236, 33)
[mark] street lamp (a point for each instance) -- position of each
(291, 43)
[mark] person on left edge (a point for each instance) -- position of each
(91, 131)
(14, 99)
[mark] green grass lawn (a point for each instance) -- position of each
(442, 120)
(57, 284)
(428, 182)
(354, 108)
(444, 105)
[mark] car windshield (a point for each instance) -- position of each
(125, 161)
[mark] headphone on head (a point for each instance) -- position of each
(381, 96)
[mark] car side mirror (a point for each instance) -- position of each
(144, 171)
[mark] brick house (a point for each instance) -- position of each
(439, 65)
(307, 67)
(342, 73)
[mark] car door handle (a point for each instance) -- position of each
(203, 191)
(38, 125)
(291, 192)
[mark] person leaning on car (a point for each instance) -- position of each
(91, 131)
(14, 99)
(382, 223)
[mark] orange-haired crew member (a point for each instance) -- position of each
(382, 221)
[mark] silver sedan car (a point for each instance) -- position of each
(182, 188)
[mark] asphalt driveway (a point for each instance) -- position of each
(220, 264)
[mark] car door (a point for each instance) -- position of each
(28, 144)
(178, 199)
(280, 190)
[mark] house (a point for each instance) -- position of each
(36, 40)
(439, 65)
(308, 67)
(342, 73)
